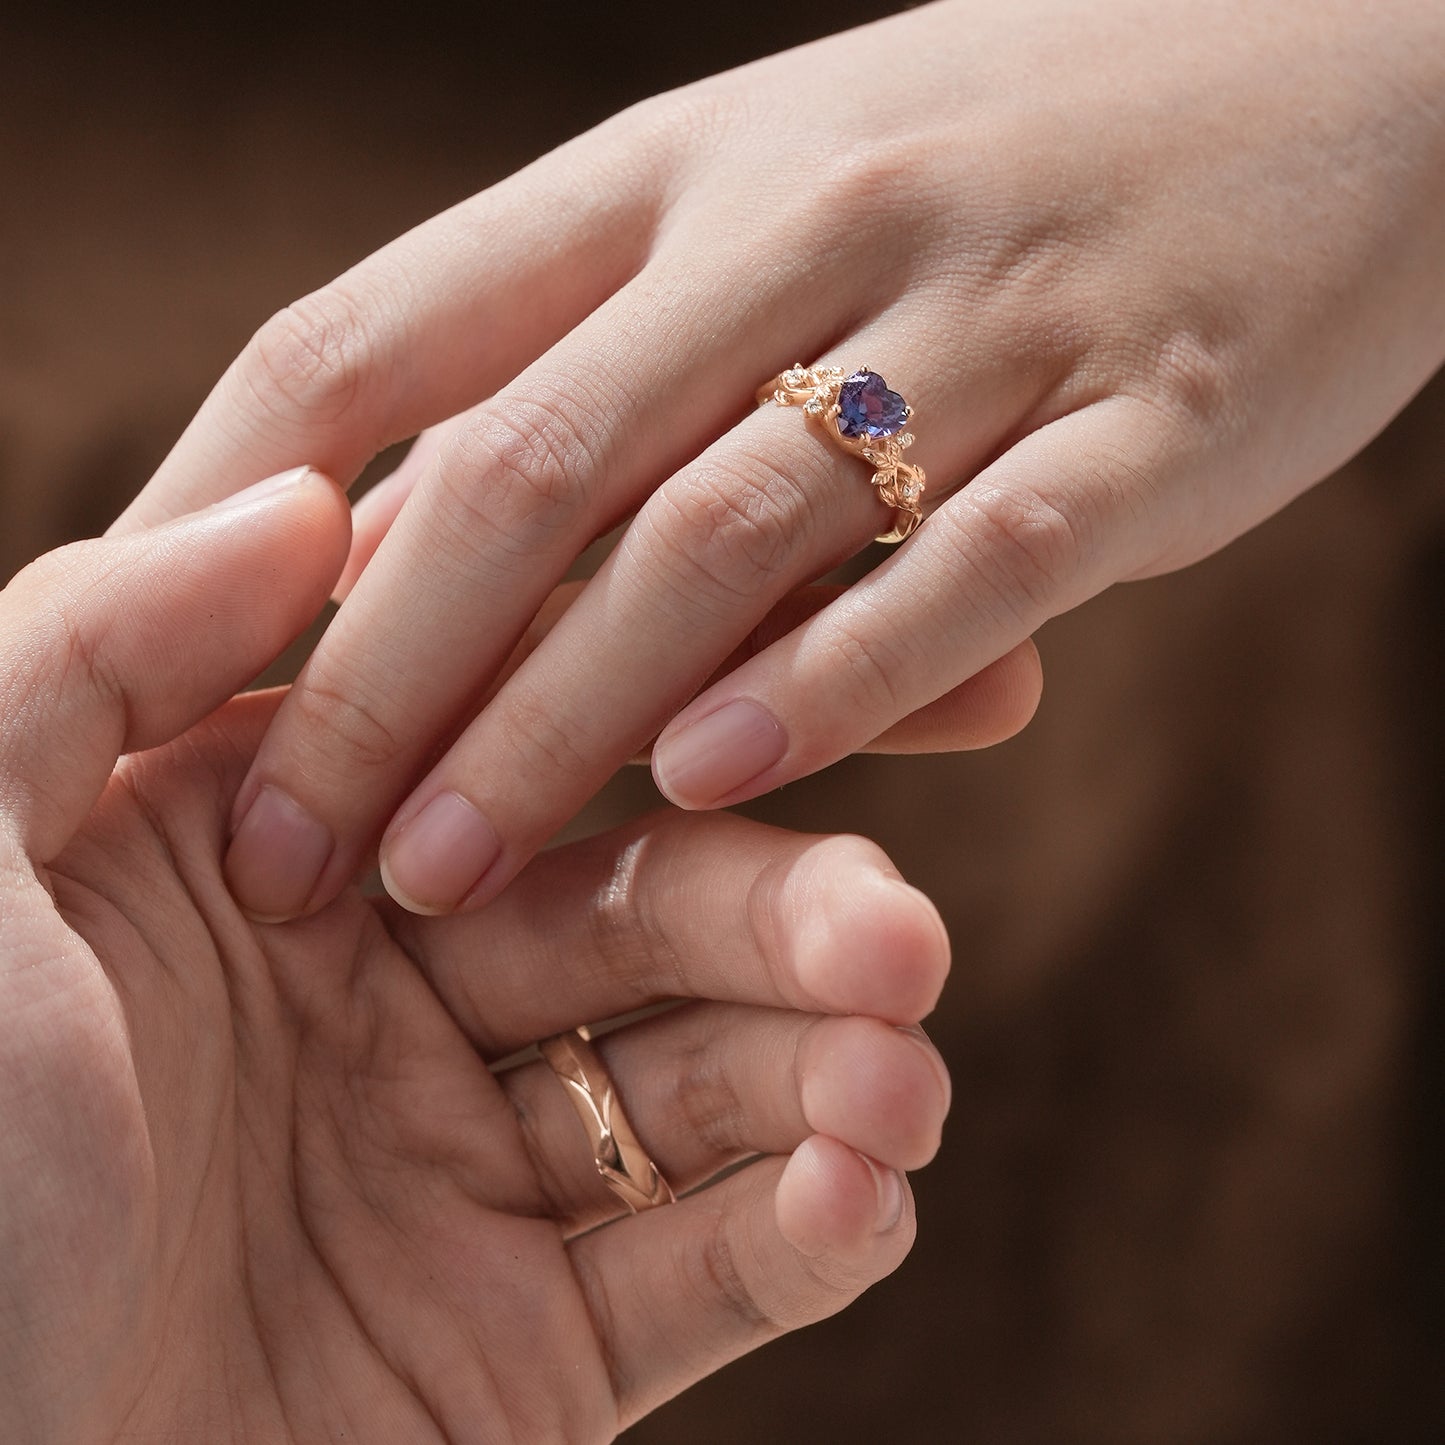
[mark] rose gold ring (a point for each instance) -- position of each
(858, 412)
(622, 1162)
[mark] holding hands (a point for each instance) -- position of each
(1143, 274)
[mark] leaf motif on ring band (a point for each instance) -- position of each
(875, 417)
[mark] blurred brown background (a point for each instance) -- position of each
(1194, 1184)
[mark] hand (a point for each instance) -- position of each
(1145, 273)
(259, 1183)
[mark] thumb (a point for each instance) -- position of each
(119, 644)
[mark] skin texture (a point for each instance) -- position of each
(1144, 272)
(258, 1182)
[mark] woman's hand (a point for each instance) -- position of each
(1144, 272)
(260, 1182)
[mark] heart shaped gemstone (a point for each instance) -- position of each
(866, 408)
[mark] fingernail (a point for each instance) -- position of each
(281, 483)
(890, 1196)
(437, 857)
(920, 1040)
(707, 760)
(276, 856)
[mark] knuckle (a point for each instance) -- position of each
(1027, 547)
(309, 362)
(720, 1277)
(639, 928)
(847, 198)
(345, 728)
(67, 637)
(866, 183)
(731, 529)
(687, 127)
(777, 1301)
(548, 741)
(629, 935)
(1194, 376)
(712, 1107)
(839, 215)
(81, 653)
(1023, 244)
(872, 659)
(520, 474)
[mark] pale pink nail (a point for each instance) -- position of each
(272, 485)
(707, 760)
(890, 1196)
(276, 856)
(438, 856)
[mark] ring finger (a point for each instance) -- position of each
(708, 1084)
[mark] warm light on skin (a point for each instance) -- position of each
(1117, 367)
(215, 1129)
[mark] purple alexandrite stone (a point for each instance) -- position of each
(866, 408)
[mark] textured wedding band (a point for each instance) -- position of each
(623, 1163)
(858, 412)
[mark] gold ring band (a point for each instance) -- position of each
(622, 1162)
(856, 411)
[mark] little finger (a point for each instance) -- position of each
(679, 1291)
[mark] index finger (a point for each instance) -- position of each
(421, 329)
(684, 906)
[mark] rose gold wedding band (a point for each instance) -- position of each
(856, 411)
(623, 1163)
